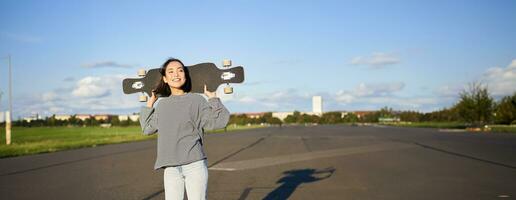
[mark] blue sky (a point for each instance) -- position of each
(70, 56)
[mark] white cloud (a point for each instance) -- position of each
(501, 81)
(344, 97)
(376, 60)
(90, 95)
(281, 100)
(248, 99)
(91, 87)
(375, 96)
(448, 91)
(98, 86)
(49, 96)
(378, 89)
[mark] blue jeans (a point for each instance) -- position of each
(193, 177)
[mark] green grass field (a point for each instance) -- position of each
(448, 125)
(25, 141)
(503, 128)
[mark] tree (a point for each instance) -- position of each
(410, 116)
(125, 122)
(505, 111)
(294, 118)
(370, 117)
(350, 117)
(51, 121)
(386, 112)
(74, 121)
(331, 118)
(476, 105)
(115, 121)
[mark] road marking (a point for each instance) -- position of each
(278, 160)
(452, 130)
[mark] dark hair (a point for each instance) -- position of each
(162, 89)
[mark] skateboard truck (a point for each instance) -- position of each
(141, 73)
(226, 76)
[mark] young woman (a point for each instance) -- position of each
(181, 118)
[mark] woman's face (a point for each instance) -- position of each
(175, 75)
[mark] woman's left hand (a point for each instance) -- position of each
(209, 94)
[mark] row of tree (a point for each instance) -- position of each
(475, 107)
(73, 121)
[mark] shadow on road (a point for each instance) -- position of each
(291, 180)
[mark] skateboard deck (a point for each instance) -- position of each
(197, 76)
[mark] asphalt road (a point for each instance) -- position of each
(318, 162)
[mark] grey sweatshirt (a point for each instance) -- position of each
(180, 122)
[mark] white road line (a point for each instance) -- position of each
(278, 160)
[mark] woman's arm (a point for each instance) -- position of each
(148, 118)
(213, 113)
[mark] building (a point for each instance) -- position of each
(101, 117)
(317, 105)
(343, 114)
(123, 117)
(361, 114)
(33, 118)
(254, 115)
(82, 117)
(133, 117)
(281, 115)
(62, 117)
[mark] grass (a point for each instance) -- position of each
(503, 128)
(446, 125)
(36, 140)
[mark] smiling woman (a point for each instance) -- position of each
(181, 119)
(175, 74)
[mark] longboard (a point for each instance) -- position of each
(197, 76)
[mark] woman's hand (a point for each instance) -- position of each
(152, 100)
(209, 94)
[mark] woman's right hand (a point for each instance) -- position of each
(152, 99)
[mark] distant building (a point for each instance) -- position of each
(32, 118)
(281, 115)
(123, 117)
(101, 117)
(83, 117)
(254, 115)
(343, 114)
(62, 117)
(361, 114)
(317, 105)
(134, 117)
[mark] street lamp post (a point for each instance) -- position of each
(1, 93)
(8, 113)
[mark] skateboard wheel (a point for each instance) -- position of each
(143, 98)
(226, 63)
(228, 90)
(142, 72)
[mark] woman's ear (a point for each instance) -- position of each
(164, 79)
